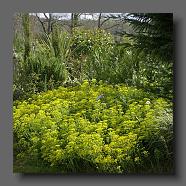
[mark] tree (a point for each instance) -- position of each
(47, 22)
(74, 21)
(104, 17)
(153, 39)
(26, 31)
(153, 33)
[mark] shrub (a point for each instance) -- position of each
(92, 54)
(44, 69)
(95, 127)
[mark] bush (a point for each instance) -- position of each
(44, 69)
(92, 54)
(95, 127)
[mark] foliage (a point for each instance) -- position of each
(153, 33)
(151, 42)
(95, 127)
(26, 28)
(45, 68)
(93, 49)
(90, 104)
(62, 59)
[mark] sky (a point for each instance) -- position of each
(67, 15)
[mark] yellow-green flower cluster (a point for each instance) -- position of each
(70, 125)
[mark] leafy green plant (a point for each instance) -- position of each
(44, 69)
(95, 127)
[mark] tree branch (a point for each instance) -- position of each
(46, 16)
(42, 23)
(105, 21)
